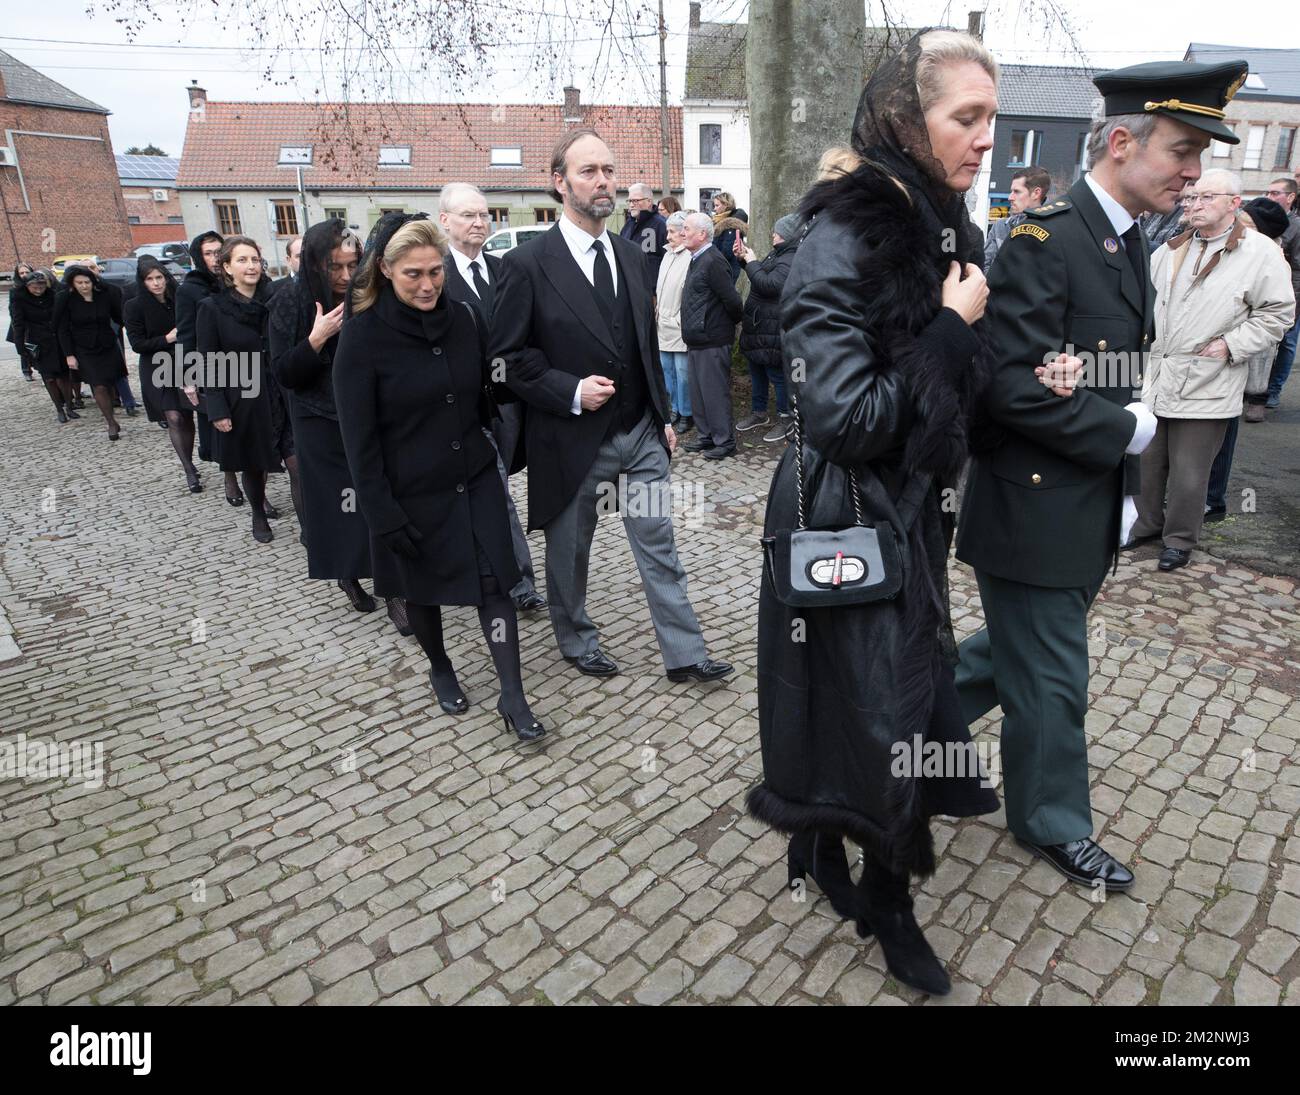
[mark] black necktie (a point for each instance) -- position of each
(1137, 255)
(604, 283)
(484, 290)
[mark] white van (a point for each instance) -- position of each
(509, 238)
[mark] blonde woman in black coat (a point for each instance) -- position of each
(87, 312)
(411, 386)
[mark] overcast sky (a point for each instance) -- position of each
(143, 84)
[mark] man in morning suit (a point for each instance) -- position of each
(1047, 507)
(575, 328)
(471, 277)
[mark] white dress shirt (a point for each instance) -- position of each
(1120, 218)
(462, 264)
(580, 243)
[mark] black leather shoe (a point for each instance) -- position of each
(707, 670)
(822, 856)
(698, 445)
(1085, 862)
(450, 697)
(524, 731)
(685, 423)
(1173, 558)
(72, 410)
(1138, 541)
(720, 452)
(131, 412)
(357, 596)
(63, 416)
(270, 511)
(530, 602)
(595, 664)
(1215, 514)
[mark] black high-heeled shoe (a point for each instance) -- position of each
(270, 511)
(823, 857)
(529, 732)
(358, 597)
(63, 416)
(262, 533)
(397, 613)
(458, 704)
(70, 410)
(237, 500)
(192, 481)
(885, 908)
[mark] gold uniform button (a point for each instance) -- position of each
(1101, 344)
(1137, 379)
(1035, 478)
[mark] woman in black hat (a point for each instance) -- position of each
(34, 311)
(11, 335)
(87, 312)
(411, 382)
(230, 333)
(151, 328)
(306, 316)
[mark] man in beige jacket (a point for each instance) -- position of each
(1223, 294)
(668, 316)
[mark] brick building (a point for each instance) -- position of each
(244, 162)
(59, 191)
(153, 204)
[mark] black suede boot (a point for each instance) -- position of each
(822, 856)
(886, 909)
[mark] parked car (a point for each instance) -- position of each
(64, 261)
(506, 239)
(178, 251)
(121, 272)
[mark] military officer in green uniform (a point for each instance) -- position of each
(1046, 503)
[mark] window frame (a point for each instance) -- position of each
(283, 206)
(515, 163)
(702, 127)
(1258, 147)
(231, 225)
(394, 148)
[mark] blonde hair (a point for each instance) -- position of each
(941, 48)
(837, 160)
(728, 200)
(370, 279)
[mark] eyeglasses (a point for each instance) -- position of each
(486, 218)
(1276, 193)
(1197, 199)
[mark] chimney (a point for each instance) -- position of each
(2, 85)
(198, 97)
(975, 25)
(572, 107)
(695, 15)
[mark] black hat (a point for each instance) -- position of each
(1269, 217)
(1188, 92)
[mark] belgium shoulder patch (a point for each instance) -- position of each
(1050, 209)
(1040, 234)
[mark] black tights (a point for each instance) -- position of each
(180, 430)
(60, 389)
(255, 492)
(295, 485)
(496, 616)
(104, 401)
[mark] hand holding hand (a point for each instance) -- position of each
(1062, 375)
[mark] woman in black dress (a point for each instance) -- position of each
(33, 309)
(16, 287)
(411, 384)
(151, 328)
(230, 333)
(86, 314)
(306, 316)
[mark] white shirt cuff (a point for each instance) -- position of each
(576, 406)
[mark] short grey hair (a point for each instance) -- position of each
(1140, 125)
(455, 193)
(678, 219)
(640, 190)
(700, 220)
(1230, 181)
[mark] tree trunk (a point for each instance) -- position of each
(804, 65)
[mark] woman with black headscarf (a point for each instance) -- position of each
(86, 313)
(306, 316)
(11, 335)
(238, 388)
(414, 398)
(151, 328)
(34, 311)
(886, 356)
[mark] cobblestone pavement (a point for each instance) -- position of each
(286, 816)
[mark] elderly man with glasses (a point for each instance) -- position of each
(1223, 294)
(646, 227)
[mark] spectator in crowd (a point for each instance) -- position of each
(668, 205)
(668, 317)
(646, 227)
(710, 308)
(1029, 189)
(1160, 228)
(1222, 294)
(836, 161)
(1284, 191)
(728, 223)
(760, 332)
(15, 288)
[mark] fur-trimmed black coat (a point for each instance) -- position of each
(885, 380)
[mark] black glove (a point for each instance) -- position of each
(402, 541)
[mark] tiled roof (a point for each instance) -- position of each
(146, 170)
(1046, 91)
(237, 145)
(1276, 69)
(715, 57)
(23, 84)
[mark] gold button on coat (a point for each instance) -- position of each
(1035, 478)
(1101, 345)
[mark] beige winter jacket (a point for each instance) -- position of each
(1243, 295)
(668, 299)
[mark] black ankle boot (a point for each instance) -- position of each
(822, 856)
(63, 415)
(886, 908)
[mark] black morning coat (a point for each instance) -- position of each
(550, 334)
(1043, 506)
(414, 396)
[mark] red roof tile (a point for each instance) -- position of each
(234, 145)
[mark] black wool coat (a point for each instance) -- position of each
(760, 332)
(87, 332)
(414, 396)
(885, 386)
(35, 324)
(147, 321)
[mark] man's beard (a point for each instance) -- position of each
(599, 208)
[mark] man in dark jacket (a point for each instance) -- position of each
(1284, 191)
(710, 308)
(646, 227)
(760, 329)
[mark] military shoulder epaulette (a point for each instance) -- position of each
(1050, 209)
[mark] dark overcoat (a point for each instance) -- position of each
(147, 321)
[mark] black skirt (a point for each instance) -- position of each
(338, 541)
(102, 369)
(251, 443)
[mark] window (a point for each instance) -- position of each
(545, 215)
(228, 218)
(395, 155)
(1254, 146)
(286, 218)
(499, 216)
(336, 214)
(507, 157)
(710, 144)
(391, 209)
(1081, 155)
(295, 155)
(706, 198)
(132, 220)
(1285, 146)
(1221, 150)
(173, 219)
(1022, 148)
(1255, 82)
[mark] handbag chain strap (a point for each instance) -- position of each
(798, 463)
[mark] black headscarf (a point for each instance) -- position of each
(77, 270)
(200, 271)
(376, 244)
(318, 243)
(144, 268)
